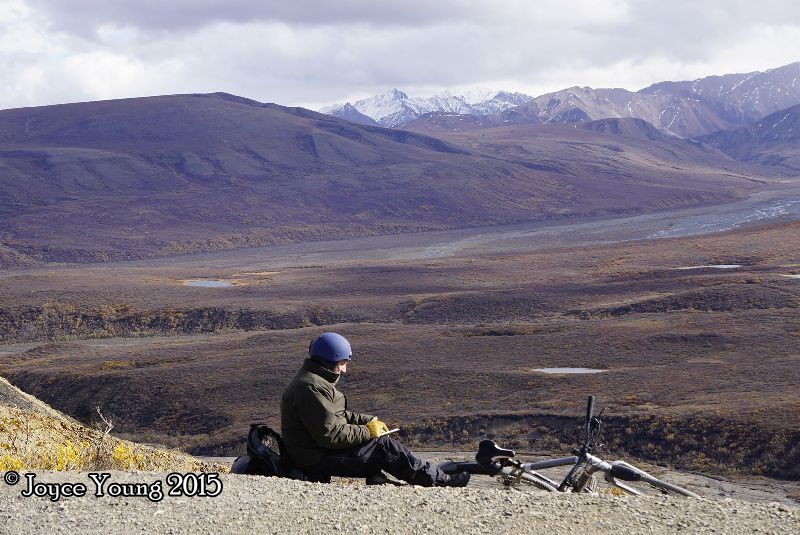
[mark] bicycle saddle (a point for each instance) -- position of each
(489, 451)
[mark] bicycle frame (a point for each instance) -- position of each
(583, 464)
(592, 466)
(590, 463)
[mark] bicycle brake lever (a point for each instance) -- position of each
(596, 421)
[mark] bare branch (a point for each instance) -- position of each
(109, 424)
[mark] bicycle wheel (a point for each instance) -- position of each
(640, 486)
(532, 478)
(667, 487)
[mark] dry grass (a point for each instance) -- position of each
(35, 441)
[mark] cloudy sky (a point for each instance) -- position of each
(312, 53)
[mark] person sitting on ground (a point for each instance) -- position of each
(324, 439)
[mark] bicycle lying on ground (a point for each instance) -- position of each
(493, 460)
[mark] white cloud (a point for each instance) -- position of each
(312, 53)
(757, 48)
(82, 16)
(107, 75)
(12, 10)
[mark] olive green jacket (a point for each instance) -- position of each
(314, 416)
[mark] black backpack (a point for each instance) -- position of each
(262, 459)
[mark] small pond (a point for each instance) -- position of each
(715, 266)
(568, 370)
(208, 283)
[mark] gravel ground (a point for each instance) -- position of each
(283, 506)
(751, 489)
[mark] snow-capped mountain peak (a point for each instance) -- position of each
(397, 94)
(395, 108)
(476, 95)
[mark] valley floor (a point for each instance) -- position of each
(701, 361)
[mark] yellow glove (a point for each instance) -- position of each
(376, 428)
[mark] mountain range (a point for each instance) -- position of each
(143, 177)
(685, 109)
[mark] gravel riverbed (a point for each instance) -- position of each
(269, 505)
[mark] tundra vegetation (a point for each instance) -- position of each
(701, 362)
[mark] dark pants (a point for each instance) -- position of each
(368, 459)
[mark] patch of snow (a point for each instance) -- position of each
(753, 96)
(332, 107)
(208, 283)
(746, 78)
(779, 122)
(673, 119)
(476, 95)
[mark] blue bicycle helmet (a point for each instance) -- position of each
(330, 347)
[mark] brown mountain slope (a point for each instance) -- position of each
(164, 175)
(741, 98)
(774, 140)
(615, 162)
(681, 115)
